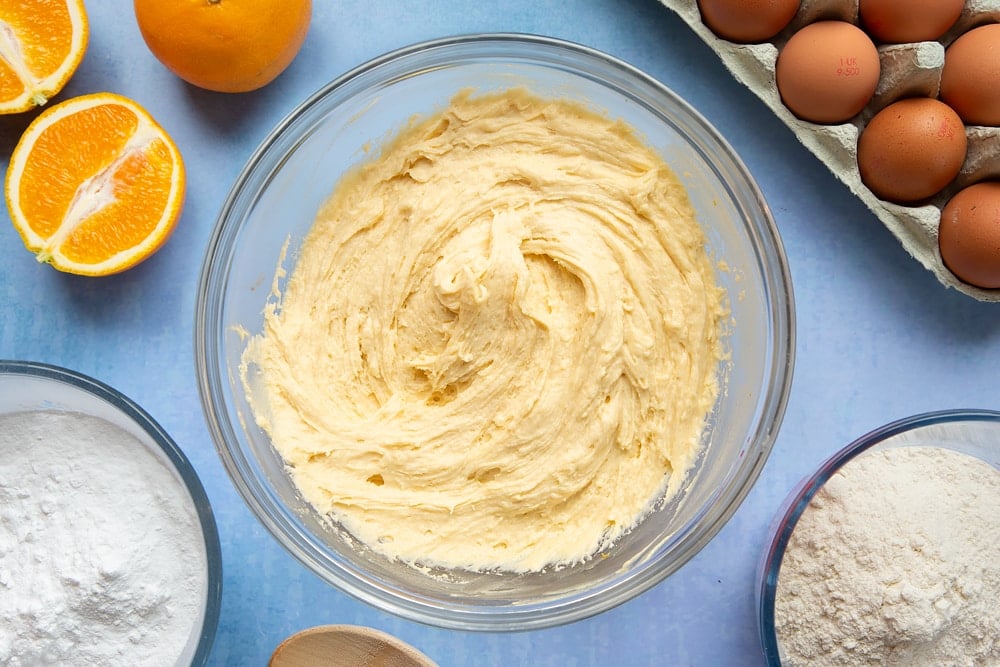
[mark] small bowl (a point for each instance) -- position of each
(972, 432)
(29, 386)
(275, 199)
(346, 646)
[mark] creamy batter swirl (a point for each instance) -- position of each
(500, 340)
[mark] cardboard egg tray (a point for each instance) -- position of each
(907, 70)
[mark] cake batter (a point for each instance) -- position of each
(500, 340)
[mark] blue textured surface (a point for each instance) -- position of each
(878, 337)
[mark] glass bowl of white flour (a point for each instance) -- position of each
(109, 552)
(887, 554)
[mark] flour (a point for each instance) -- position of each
(896, 561)
(102, 560)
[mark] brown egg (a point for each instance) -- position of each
(911, 149)
(827, 72)
(970, 80)
(969, 235)
(899, 21)
(747, 20)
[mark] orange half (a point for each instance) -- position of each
(41, 44)
(95, 185)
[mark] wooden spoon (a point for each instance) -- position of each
(346, 646)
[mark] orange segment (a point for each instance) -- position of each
(41, 44)
(95, 185)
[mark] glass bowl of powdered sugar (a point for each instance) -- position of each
(887, 554)
(109, 552)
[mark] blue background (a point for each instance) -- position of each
(878, 337)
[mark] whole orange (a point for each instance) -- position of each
(230, 46)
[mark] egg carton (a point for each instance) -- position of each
(907, 70)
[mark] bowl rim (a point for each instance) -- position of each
(177, 458)
(795, 504)
(780, 320)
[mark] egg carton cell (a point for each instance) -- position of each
(910, 69)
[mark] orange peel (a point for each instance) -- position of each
(229, 46)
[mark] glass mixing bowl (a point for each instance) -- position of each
(276, 197)
(972, 432)
(27, 386)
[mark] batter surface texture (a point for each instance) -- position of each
(499, 342)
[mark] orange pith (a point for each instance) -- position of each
(227, 46)
(41, 44)
(95, 185)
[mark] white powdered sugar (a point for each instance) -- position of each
(896, 561)
(102, 559)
